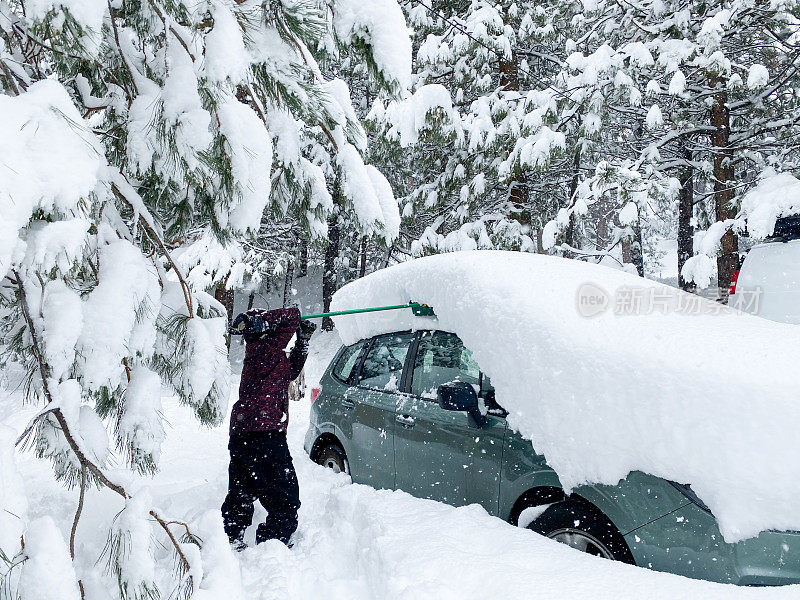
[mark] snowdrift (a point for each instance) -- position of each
(684, 389)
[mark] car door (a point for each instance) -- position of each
(334, 407)
(438, 453)
(373, 405)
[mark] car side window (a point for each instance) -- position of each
(383, 364)
(348, 359)
(442, 358)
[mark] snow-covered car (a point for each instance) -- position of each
(768, 282)
(408, 404)
(400, 411)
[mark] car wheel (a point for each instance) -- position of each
(333, 457)
(583, 527)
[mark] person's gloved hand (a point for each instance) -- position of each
(306, 329)
(250, 323)
(239, 325)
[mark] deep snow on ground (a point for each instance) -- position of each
(354, 542)
(650, 379)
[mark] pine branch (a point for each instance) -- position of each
(156, 240)
(82, 458)
(86, 464)
(31, 425)
(160, 13)
(42, 45)
(44, 368)
(7, 75)
(78, 512)
(128, 66)
(172, 539)
(188, 534)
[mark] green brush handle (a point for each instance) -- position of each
(421, 310)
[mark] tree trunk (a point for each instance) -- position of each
(637, 248)
(685, 228)
(569, 234)
(518, 196)
(601, 229)
(518, 186)
(331, 256)
(362, 268)
(302, 269)
(569, 237)
(632, 250)
(728, 259)
(226, 298)
(509, 74)
(287, 285)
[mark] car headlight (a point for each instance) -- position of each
(686, 490)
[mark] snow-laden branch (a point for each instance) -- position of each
(72, 441)
(125, 192)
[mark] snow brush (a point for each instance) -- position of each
(256, 324)
(419, 310)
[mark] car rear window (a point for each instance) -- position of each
(786, 228)
(348, 359)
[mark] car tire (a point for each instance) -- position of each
(333, 457)
(585, 528)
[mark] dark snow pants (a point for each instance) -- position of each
(261, 469)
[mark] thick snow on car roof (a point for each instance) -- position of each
(607, 373)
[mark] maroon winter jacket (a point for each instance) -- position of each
(263, 403)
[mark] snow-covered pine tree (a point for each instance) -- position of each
(598, 120)
(364, 207)
(141, 143)
(689, 110)
(746, 71)
(506, 155)
(467, 145)
(321, 187)
(622, 203)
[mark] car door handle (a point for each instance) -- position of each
(347, 403)
(405, 421)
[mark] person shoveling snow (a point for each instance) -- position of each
(261, 467)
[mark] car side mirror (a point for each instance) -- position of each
(460, 396)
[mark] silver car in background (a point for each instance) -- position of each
(768, 282)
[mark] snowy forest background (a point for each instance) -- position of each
(158, 156)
